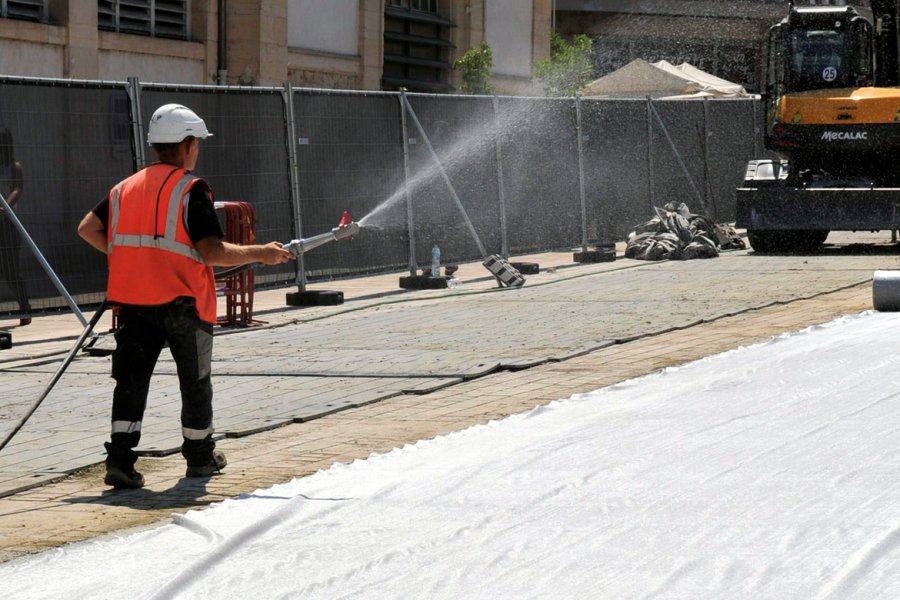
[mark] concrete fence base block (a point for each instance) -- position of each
(315, 298)
(595, 256)
(527, 268)
(423, 282)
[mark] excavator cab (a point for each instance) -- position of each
(817, 48)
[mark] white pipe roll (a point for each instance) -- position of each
(886, 291)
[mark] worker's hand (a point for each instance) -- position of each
(274, 254)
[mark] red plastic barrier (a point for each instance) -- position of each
(240, 219)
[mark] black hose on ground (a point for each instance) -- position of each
(62, 368)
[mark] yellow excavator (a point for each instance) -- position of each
(832, 104)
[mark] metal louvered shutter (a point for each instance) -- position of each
(171, 19)
(26, 10)
(429, 6)
(156, 18)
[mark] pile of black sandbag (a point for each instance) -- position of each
(677, 234)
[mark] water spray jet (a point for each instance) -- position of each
(505, 273)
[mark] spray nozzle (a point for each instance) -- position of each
(346, 228)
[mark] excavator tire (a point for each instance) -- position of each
(786, 241)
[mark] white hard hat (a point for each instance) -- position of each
(172, 123)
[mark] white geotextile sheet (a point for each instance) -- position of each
(771, 471)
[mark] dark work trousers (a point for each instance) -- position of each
(140, 337)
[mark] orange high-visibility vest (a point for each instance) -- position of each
(151, 258)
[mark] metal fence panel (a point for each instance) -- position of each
(350, 158)
(540, 173)
(677, 154)
(462, 133)
(616, 167)
(73, 142)
(246, 160)
(733, 140)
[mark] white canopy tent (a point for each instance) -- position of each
(662, 80)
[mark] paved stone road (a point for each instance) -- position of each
(464, 349)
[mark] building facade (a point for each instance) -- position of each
(372, 44)
(341, 44)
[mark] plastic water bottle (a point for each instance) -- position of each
(435, 261)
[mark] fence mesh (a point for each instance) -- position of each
(616, 171)
(63, 148)
(677, 158)
(350, 157)
(510, 161)
(733, 138)
(461, 131)
(540, 173)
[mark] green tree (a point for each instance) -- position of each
(475, 66)
(570, 66)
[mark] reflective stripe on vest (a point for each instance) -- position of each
(148, 241)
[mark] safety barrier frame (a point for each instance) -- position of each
(660, 137)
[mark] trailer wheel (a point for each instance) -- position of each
(786, 241)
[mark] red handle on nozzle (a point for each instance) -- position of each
(346, 219)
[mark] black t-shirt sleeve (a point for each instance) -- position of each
(102, 211)
(202, 221)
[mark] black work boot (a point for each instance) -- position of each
(123, 479)
(120, 471)
(214, 464)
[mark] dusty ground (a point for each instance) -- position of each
(79, 506)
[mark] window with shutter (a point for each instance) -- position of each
(26, 10)
(416, 46)
(429, 6)
(155, 18)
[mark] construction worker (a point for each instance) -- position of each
(161, 236)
